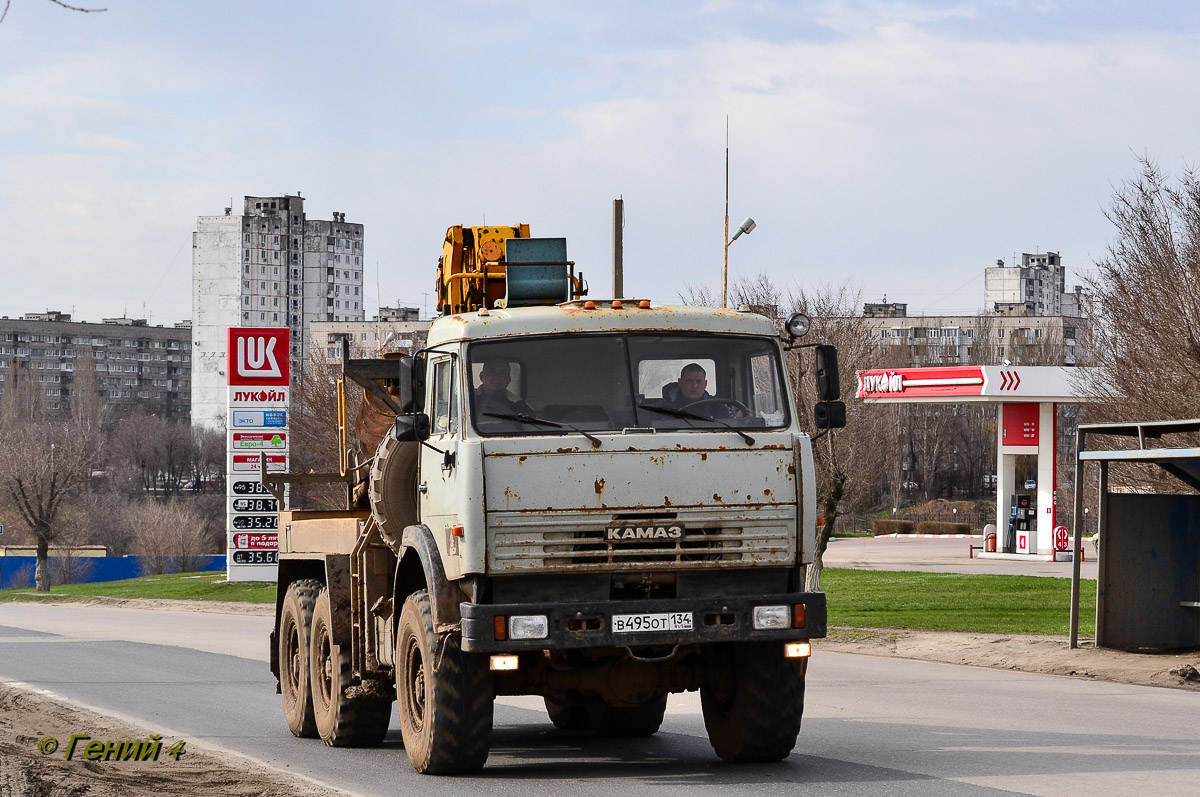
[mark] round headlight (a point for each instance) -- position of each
(798, 325)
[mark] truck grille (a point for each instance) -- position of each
(554, 541)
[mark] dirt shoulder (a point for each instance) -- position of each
(1024, 652)
(29, 720)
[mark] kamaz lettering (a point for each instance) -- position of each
(621, 533)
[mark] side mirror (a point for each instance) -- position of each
(416, 382)
(829, 387)
(412, 428)
(406, 384)
(829, 415)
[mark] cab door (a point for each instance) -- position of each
(439, 483)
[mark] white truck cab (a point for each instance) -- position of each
(598, 502)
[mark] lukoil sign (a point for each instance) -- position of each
(258, 356)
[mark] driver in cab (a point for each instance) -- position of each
(690, 389)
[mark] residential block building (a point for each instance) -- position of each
(135, 365)
(394, 329)
(989, 339)
(1029, 318)
(271, 266)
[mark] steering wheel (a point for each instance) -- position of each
(738, 409)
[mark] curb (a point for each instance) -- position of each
(932, 536)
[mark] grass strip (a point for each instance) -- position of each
(175, 586)
(857, 598)
(955, 602)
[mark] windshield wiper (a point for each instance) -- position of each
(678, 413)
(523, 417)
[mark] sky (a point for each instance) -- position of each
(898, 147)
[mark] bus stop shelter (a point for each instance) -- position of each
(1148, 586)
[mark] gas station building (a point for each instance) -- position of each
(1027, 399)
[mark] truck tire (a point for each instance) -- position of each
(568, 717)
(295, 621)
(628, 721)
(753, 706)
(445, 697)
(392, 488)
(342, 721)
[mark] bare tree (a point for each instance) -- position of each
(170, 536)
(24, 400)
(313, 429)
(85, 403)
(1145, 299)
(106, 513)
(60, 3)
(160, 453)
(852, 462)
(699, 296)
(69, 565)
(206, 463)
(47, 462)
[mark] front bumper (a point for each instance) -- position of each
(589, 625)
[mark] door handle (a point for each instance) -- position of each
(422, 487)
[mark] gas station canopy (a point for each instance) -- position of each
(974, 383)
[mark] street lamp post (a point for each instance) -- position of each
(745, 228)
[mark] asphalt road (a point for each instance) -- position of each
(872, 725)
(940, 555)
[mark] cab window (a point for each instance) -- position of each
(443, 416)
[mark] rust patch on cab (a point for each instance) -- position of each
(599, 486)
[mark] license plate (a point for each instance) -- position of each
(666, 621)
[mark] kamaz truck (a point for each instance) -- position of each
(599, 502)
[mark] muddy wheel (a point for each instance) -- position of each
(628, 721)
(754, 703)
(342, 721)
(444, 696)
(568, 717)
(295, 621)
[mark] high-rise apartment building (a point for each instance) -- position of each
(269, 267)
(1034, 288)
(130, 364)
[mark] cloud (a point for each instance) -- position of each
(902, 146)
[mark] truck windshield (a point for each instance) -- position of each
(601, 383)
